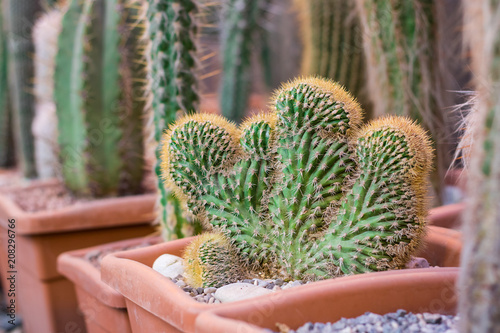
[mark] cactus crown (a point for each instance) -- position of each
(305, 192)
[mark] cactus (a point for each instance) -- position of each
(100, 83)
(6, 140)
(332, 39)
(479, 286)
(172, 31)
(305, 192)
(241, 20)
(404, 68)
(212, 262)
(45, 34)
(20, 16)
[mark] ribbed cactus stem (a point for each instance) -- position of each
(290, 192)
(100, 96)
(479, 285)
(172, 31)
(21, 15)
(241, 20)
(6, 141)
(333, 45)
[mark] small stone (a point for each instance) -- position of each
(211, 300)
(239, 291)
(270, 286)
(432, 318)
(279, 282)
(169, 265)
(276, 288)
(216, 301)
(247, 281)
(200, 290)
(210, 290)
(180, 283)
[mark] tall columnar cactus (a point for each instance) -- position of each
(404, 66)
(333, 44)
(20, 17)
(241, 21)
(100, 83)
(6, 140)
(305, 192)
(45, 34)
(172, 31)
(479, 304)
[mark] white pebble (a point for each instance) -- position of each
(239, 291)
(169, 265)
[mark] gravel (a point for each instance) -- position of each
(206, 295)
(396, 322)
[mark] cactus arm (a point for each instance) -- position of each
(68, 85)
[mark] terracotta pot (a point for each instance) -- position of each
(416, 290)
(44, 298)
(448, 216)
(155, 304)
(103, 307)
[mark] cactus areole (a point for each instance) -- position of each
(304, 191)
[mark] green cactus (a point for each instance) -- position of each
(6, 140)
(172, 31)
(212, 262)
(240, 23)
(479, 285)
(333, 45)
(404, 69)
(100, 84)
(303, 192)
(20, 17)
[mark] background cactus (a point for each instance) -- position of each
(45, 34)
(20, 16)
(172, 32)
(288, 190)
(479, 303)
(242, 21)
(100, 82)
(407, 69)
(6, 139)
(333, 43)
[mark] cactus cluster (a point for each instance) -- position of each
(173, 70)
(305, 191)
(100, 83)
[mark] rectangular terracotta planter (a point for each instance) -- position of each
(103, 308)
(155, 304)
(45, 299)
(417, 290)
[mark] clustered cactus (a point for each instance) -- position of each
(100, 82)
(172, 57)
(303, 192)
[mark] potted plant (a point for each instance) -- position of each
(104, 308)
(292, 197)
(99, 94)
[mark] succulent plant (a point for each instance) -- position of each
(6, 139)
(405, 69)
(20, 17)
(172, 56)
(479, 285)
(241, 21)
(305, 191)
(100, 82)
(333, 44)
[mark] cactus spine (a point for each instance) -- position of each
(100, 96)
(6, 140)
(332, 39)
(20, 18)
(479, 303)
(305, 192)
(241, 19)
